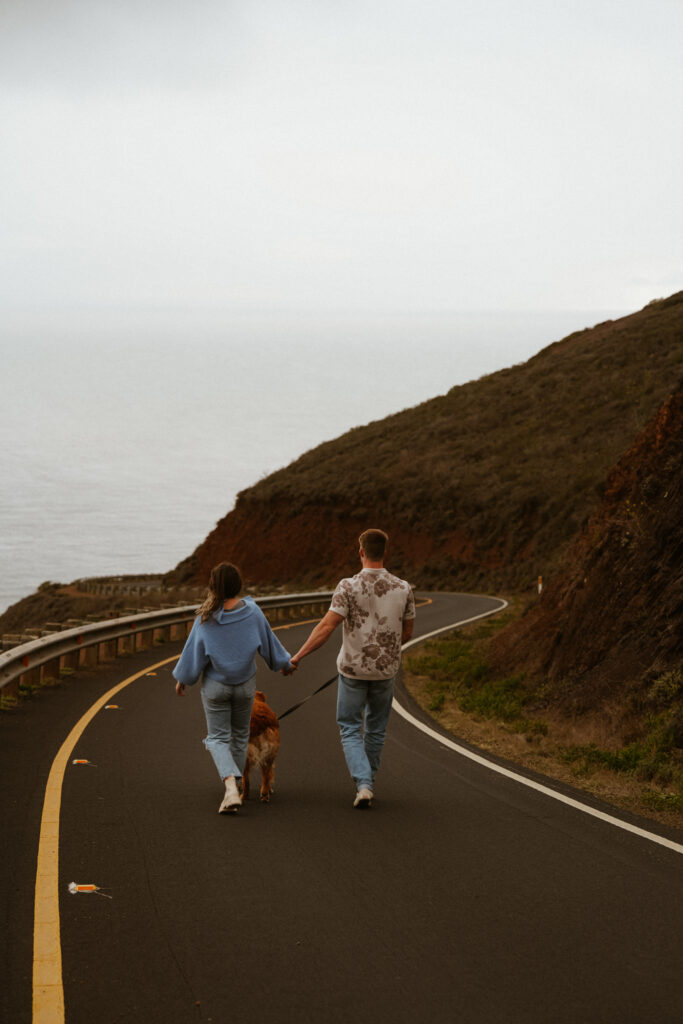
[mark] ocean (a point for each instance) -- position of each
(126, 437)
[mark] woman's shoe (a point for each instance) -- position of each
(363, 797)
(232, 800)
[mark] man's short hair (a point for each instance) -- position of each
(373, 543)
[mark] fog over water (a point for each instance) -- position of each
(193, 192)
(126, 438)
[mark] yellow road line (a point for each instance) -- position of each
(48, 989)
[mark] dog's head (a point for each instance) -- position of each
(260, 695)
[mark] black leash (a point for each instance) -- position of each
(298, 705)
(328, 683)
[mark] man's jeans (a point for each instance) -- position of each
(228, 714)
(363, 708)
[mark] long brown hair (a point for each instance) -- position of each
(225, 582)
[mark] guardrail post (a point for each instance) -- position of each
(159, 635)
(30, 678)
(88, 656)
(125, 645)
(10, 692)
(106, 650)
(144, 639)
(68, 662)
(49, 672)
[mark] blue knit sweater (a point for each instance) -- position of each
(224, 647)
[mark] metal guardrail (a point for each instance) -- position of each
(38, 661)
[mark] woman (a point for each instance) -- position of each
(227, 634)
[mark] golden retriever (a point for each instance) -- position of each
(264, 743)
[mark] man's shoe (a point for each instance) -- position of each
(232, 800)
(363, 797)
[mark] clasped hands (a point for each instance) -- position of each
(293, 666)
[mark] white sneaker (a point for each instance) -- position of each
(363, 797)
(232, 800)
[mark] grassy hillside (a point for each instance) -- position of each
(483, 486)
(587, 684)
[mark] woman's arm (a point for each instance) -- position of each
(193, 659)
(271, 650)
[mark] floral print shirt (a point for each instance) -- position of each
(374, 605)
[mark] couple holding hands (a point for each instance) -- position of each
(377, 611)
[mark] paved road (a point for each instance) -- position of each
(460, 896)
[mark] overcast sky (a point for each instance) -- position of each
(370, 155)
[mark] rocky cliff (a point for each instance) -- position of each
(609, 628)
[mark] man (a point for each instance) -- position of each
(378, 613)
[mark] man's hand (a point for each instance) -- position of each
(288, 671)
(180, 689)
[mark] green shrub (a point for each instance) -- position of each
(666, 688)
(502, 699)
(648, 760)
(658, 801)
(457, 669)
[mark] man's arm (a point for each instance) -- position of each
(319, 634)
(407, 631)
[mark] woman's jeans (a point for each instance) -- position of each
(363, 709)
(228, 715)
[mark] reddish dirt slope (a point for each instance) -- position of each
(613, 617)
(315, 547)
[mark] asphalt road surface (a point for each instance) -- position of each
(460, 896)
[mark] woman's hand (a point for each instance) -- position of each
(180, 689)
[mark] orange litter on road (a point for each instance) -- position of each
(75, 887)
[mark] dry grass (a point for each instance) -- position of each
(581, 752)
(542, 754)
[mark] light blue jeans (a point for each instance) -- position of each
(228, 714)
(363, 709)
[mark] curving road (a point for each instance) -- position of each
(462, 895)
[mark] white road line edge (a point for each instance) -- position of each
(554, 794)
